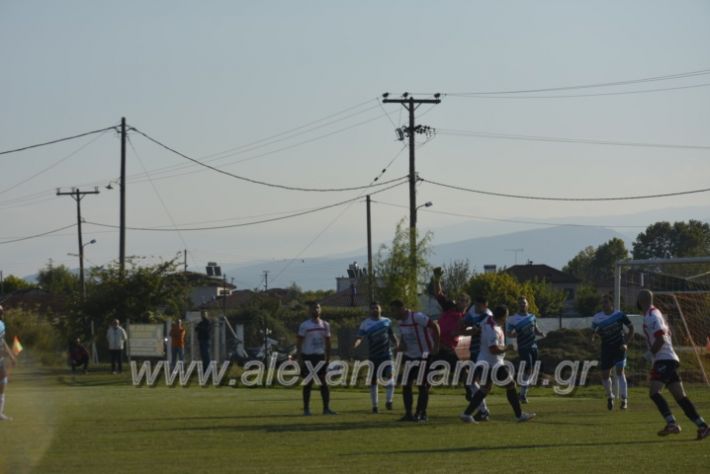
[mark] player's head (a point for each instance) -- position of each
(480, 303)
(203, 315)
(500, 313)
(314, 309)
(645, 300)
(522, 304)
(398, 308)
(2, 313)
(463, 301)
(375, 309)
(114, 323)
(607, 303)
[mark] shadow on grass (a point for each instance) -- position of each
(475, 449)
(296, 428)
(89, 380)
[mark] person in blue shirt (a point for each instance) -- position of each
(523, 327)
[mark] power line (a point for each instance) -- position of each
(515, 221)
(683, 75)
(588, 141)
(245, 224)
(264, 183)
(577, 199)
(34, 236)
(59, 140)
(570, 96)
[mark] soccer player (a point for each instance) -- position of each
(313, 346)
(523, 327)
(449, 321)
(380, 338)
(609, 325)
(492, 354)
(6, 358)
(470, 325)
(419, 340)
(665, 369)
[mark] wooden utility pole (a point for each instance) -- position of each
(122, 231)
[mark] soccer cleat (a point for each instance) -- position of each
(4, 417)
(610, 403)
(526, 417)
(388, 405)
(422, 418)
(375, 410)
(328, 411)
(703, 432)
(482, 416)
(624, 404)
(306, 412)
(670, 428)
(467, 418)
(408, 417)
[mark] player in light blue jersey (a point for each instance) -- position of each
(609, 326)
(523, 327)
(377, 330)
(6, 358)
(470, 325)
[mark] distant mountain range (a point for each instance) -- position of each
(553, 246)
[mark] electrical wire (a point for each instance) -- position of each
(59, 140)
(245, 224)
(570, 96)
(34, 236)
(575, 199)
(588, 141)
(264, 183)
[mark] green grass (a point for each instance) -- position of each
(100, 423)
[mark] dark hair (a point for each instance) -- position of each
(312, 303)
(481, 300)
(373, 303)
(500, 311)
(397, 304)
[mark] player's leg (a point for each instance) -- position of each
(408, 375)
(3, 384)
(606, 381)
(423, 395)
(308, 386)
(324, 389)
(374, 395)
(529, 357)
(476, 399)
(676, 389)
(389, 384)
(623, 384)
(508, 382)
(660, 376)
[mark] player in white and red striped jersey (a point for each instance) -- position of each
(419, 341)
(313, 345)
(665, 369)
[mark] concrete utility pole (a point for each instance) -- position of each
(370, 283)
(78, 195)
(411, 104)
(122, 231)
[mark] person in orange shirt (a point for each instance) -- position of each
(177, 337)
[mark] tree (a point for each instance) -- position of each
(392, 268)
(587, 300)
(501, 288)
(548, 299)
(456, 276)
(11, 283)
(681, 239)
(597, 265)
(59, 281)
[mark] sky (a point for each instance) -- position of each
(288, 93)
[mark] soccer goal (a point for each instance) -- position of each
(681, 288)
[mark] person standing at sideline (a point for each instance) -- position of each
(117, 338)
(203, 330)
(6, 358)
(177, 341)
(313, 346)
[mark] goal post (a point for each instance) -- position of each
(681, 288)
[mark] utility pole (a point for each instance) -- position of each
(266, 280)
(78, 195)
(122, 232)
(411, 104)
(184, 254)
(371, 289)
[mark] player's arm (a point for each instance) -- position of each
(437, 335)
(10, 355)
(629, 335)
(299, 345)
(393, 339)
(358, 341)
(537, 330)
(658, 341)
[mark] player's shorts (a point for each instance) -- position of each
(615, 357)
(413, 373)
(665, 371)
(529, 356)
(386, 372)
(498, 375)
(314, 360)
(449, 356)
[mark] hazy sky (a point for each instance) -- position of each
(205, 77)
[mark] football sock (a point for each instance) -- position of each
(475, 402)
(422, 399)
(408, 399)
(306, 397)
(325, 395)
(524, 388)
(623, 386)
(607, 387)
(373, 395)
(663, 407)
(689, 410)
(483, 407)
(2, 403)
(389, 390)
(514, 401)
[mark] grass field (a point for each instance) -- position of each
(100, 423)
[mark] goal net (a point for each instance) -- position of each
(681, 289)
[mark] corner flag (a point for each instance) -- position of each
(16, 346)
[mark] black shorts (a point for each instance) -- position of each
(612, 357)
(497, 375)
(413, 372)
(314, 360)
(665, 371)
(386, 372)
(529, 356)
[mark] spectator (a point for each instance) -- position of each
(177, 337)
(117, 338)
(203, 330)
(78, 355)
